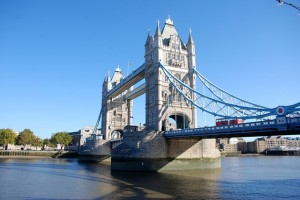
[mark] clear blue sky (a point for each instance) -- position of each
(54, 54)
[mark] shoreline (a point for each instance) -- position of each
(38, 154)
(25, 157)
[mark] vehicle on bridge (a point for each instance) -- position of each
(221, 122)
(224, 122)
(236, 121)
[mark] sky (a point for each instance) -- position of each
(54, 54)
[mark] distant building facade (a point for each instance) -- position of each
(260, 145)
(80, 136)
(232, 144)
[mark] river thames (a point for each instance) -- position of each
(259, 177)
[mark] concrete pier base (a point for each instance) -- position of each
(150, 151)
(95, 151)
(164, 164)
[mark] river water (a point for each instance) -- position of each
(239, 178)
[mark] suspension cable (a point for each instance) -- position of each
(266, 111)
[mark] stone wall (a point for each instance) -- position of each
(152, 152)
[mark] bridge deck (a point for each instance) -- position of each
(264, 128)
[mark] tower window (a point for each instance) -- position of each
(119, 108)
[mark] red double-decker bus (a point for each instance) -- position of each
(224, 122)
(221, 122)
(236, 121)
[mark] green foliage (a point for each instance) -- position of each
(7, 136)
(36, 142)
(25, 137)
(62, 138)
(47, 142)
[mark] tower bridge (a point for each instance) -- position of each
(170, 78)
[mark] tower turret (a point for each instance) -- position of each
(191, 51)
(157, 37)
(157, 44)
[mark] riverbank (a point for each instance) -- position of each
(239, 154)
(38, 154)
(269, 153)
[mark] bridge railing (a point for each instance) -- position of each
(262, 126)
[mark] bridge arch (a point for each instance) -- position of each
(176, 120)
(116, 134)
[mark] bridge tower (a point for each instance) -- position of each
(162, 101)
(116, 111)
(148, 149)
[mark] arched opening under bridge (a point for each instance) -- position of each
(176, 121)
(116, 134)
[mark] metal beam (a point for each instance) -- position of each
(132, 94)
(129, 81)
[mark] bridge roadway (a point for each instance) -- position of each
(263, 128)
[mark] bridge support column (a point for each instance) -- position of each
(129, 107)
(142, 151)
(95, 151)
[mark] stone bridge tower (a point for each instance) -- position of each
(163, 103)
(116, 111)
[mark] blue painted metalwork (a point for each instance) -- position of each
(279, 126)
(223, 95)
(222, 104)
(97, 123)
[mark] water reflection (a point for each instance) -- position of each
(198, 184)
(239, 178)
(68, 179)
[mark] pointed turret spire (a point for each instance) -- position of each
(191, 51)
(118, 69)
(105, 80)
(109, 86)
(169, 21)
(157, 37)
(190, 40)
(108, 76)
(148, 38)
(157, 32)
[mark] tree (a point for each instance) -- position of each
(62, 138)
(47, 142)
(25, 137)
(37, 142)
(7, 136)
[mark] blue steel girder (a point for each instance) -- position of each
(261, 128)
(223, 95)
(98, 121)
(225, 105)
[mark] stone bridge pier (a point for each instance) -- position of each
(149, 151)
